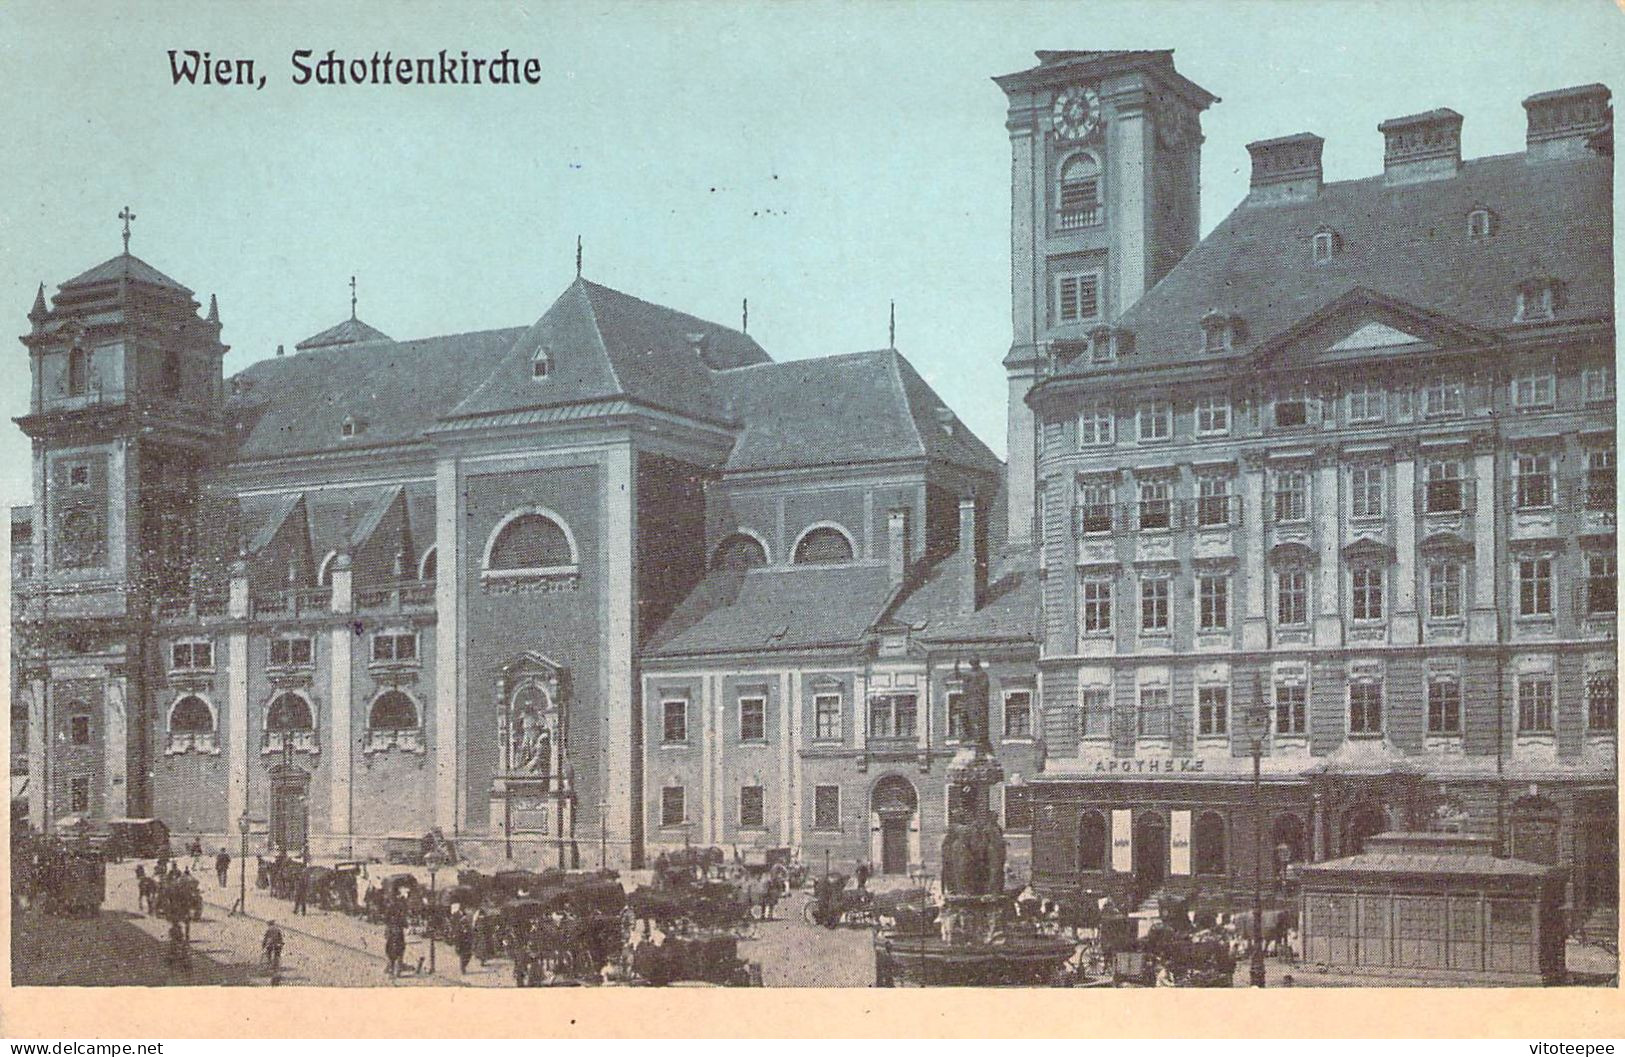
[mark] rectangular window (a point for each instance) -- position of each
(1444, 397)
(1292, 596)
(1212, 416)
(956, 715)
(1444, 493)
(1291, 410)
(1213, 711)
(1533, 391)
(79, 475)
(1291, 710)
(79, 795)
(673, 812)
(1154, 605)
(1602, 583)
(1213, 603)
(1602, 701)
(1365, 708)
(1535, 587)
(1444, 590)
(1534, 704)
(674, 721)
(1077, 298)
(1291, 496)
(1095, 425)
(1156, 504)
(892, 715)
(1444, 706)
(191, 656)
(1212, 501)
(393, 646)
(1599, 385)
(827, 717)
(1153, 715)
(1095, 502)
(1533, 479)
(1156, 421)
(752, 807)
(1018, 714)
(1094, 712)
(79, 730)
(290, 652)
(1097, 606)
(1600, 480)
(753, 718)
(1367, 403)
(1366, 587)
(827, 807)
(1365, 491)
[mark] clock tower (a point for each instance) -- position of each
(125, 409)
(1104, 201)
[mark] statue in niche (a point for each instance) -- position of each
(530, 737)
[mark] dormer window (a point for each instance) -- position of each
(1326, 245)
(540, 365)
(348, 428)
(1220, 332)
(1101, 347)
(1480, 224)
(1537, 300)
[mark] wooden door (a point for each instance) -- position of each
(894, 844)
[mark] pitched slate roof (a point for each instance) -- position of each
(601, 344)
(290, 405)
(1408, 243)
(774, 609)
(349, 332)
(861, 407)
(1008, 613)
(124, 266)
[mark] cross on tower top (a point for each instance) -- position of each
(126, 216)
(352, 297)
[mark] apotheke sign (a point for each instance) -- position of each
(1175, 765)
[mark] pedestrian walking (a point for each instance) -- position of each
(141, 888)
(463, 936)
(394, 945)
(271, 949)
(301, 893)
(222, 866)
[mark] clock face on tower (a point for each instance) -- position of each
(1077, 112)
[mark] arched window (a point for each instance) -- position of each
(1092, 841)
(530, 540)
(1207, 843)
(1080, 193)
(426, 566)
(825, 545)
(1480, 224)
(191, 715)
(739, 551)
(289, 712)
(324, 577)
(1326, 245)
(393, 710)
(78, 371)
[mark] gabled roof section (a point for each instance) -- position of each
(1407, 243)
(824, 607)
(1008, 614)
(350, 332)
(856, 408)
(125, 267)
(1363, 320)
(601, 343)
(290, 405)
(277, 516)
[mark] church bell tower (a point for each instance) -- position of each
(1104, 201)
(124, 410)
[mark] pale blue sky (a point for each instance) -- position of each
(818, 158)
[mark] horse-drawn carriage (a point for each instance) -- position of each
(570, 930)
(64, 880)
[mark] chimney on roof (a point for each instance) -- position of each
(1421, 146)
(897, 545)
(972, 559)
(1562, 123)
(1286, 169)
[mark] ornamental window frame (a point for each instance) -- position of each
(1212, 602)
(1446, 586)
(1534, 582)
(1602, 701)
(1291, 709)
(383, 692)
(1534, 480)
(1079, 186)
(1290, 497)
(1444, 487)
(1292, 600)
(1367, 590)
(1097, 424)
(1095, 605)
(1536, 699)
(1213, 500)
(823, 730)
(1156, 605)
(1156, 504)
(1096, 505)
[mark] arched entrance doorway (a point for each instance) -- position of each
(1150, 852)
(290, 808)
(1362, 821)
(895, 806)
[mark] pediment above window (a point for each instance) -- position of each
(1446, 543)
(1368, 551)
(1291, 553)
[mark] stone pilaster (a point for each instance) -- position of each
(1255, 596)
(342, 749)
(1404, 628)
(115, 748)
(1328, 519)
(449, 675)
(1483, 623)
(237, 699)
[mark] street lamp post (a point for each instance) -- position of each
(434, 860)
(1257, 972)
(243, 824)
(603, 834)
